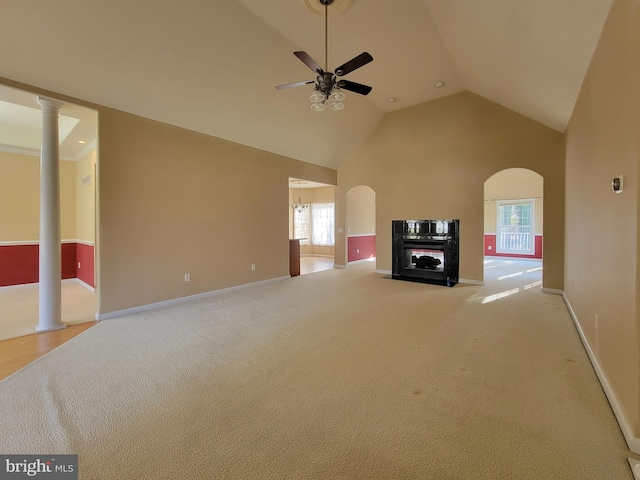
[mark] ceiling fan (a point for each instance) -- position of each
(328, 85)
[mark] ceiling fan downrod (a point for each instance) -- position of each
(326, 4)
(327, 85)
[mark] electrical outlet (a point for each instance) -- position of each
(357, 250)
(78, 264)
(187, 277)
(253, 266)
(489, 247)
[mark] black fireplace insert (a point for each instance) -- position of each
(426, 251)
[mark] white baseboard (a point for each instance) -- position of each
(85, 285)
(555, 291)
(635, 468)
(339, 266)
(384, 272)
(21, 285)
(176, 301)
(64, 280)
(79, 282)
(632, 441)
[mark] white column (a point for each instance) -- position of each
(50, 313)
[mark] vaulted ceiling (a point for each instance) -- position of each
(211, 65)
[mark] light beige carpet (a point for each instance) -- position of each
(338, 374)
(19, 308)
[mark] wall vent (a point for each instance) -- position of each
(86, 180)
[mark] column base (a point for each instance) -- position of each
(40, 329)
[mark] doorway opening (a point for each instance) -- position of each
(513, 226)
(312, 224)
(360, 221)
(20, 137)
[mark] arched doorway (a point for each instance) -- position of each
(360, 221)
(513, 226)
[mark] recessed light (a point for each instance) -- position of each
(391, 99)
(439, 84)
(82, 142)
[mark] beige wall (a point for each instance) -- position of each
(172, 201)
(169, 202)
(20, 198)
(85, 199)
(601, 269)
(68, 204)
(360, 211)
(431, 162)
(311, 195)
(513, 184)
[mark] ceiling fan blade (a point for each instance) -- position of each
(291, 85)
(354, 63)
(309, 62)
(354, 87)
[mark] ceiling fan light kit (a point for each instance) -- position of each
(327, 86)
(316, 96)
(336, 95)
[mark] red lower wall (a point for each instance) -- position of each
(19, 264)
(360, 248)
(68, 260)
(85, 263)
(490, 247)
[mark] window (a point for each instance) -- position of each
(322, 216)
(301, 225)
(515, 227)
(315, 224)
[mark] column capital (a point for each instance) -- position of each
(50, 105)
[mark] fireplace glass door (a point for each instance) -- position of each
(426, 251)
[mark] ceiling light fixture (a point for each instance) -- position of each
(439, 84)
(327, 87)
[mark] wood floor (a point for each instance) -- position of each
(19, 307)
(16, 353)
(312, 264)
